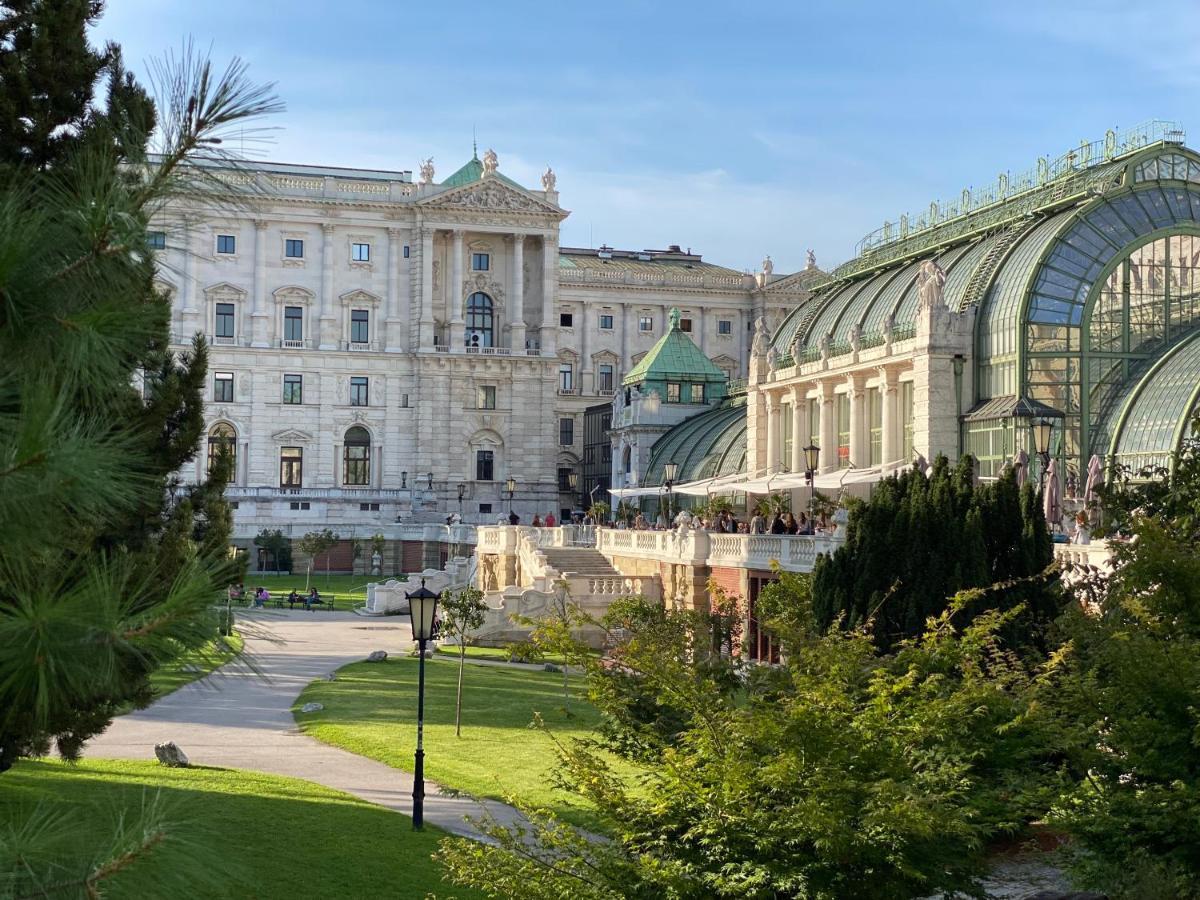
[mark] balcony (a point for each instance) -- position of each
(294, 345)
(365, 346)
(793, 553)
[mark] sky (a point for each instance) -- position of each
(737, 129)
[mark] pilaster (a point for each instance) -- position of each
(799, 426)
(855, 381)
(454, 291)
(328, 321)
(425, 335)
(259, 317)
(772, 401)
(517, 295)
(889, 395)
(393, 323)
(829, 460)
(549, 284)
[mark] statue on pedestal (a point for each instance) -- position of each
(427, 171)
(762, 340)
(549, 180)
(490, 162)
(931, 279)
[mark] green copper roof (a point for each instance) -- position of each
(471, 173)
(675, 358)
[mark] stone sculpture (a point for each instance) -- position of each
(931, 280)
(490, 162)
(762, 340)
(549, 180)
(427, 171)
(812, 260)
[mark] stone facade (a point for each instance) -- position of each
(385, 351)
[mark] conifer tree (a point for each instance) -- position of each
(107, 568)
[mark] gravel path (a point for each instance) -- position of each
(239, 718)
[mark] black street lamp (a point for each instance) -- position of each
(422, 611)
(1042, 430)
(812, 456)
(462, 490)
(510, 486)
(573, 484)
(670, 472)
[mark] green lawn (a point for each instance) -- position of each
(371, 710)
(262, 836)
(496, 654)
(349, 590)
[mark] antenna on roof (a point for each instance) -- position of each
(474, 144)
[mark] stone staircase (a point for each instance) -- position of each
(579, 561)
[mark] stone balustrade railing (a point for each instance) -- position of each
(1096, 554)
(463, 535)
(793, 553)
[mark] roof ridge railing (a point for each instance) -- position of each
(1008, 188)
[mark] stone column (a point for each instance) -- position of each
(426, 324)
(517, 296)
(376, 466)
(243, 463)
(829, 460)
(890, 443)
(190, 318)
(549, 283)
(394, 336)
(772, 433)
(585, 352)
(858, 403)
(799, 428)
(259, 317)
(454, 291)
(330, 333)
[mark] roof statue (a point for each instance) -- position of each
(762, 339)
(768, 267)
(931, 279)
(427, 171)
(855, 337)
(549, 180)
(490, 162)
(675, 318)
(812, 260)
(826, 346)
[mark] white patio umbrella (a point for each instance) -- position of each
(1052, 495)
(1021, 464)
(1094, 478)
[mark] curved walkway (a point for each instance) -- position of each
(240, 718)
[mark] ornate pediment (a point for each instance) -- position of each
(292, 436)
(492, 195)
(223, 289)
(360, 297)
(798, 282)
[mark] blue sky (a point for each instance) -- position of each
(737, 129)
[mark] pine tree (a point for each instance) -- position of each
(107, 568)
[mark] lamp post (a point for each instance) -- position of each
(812, 456)
(670, 472)
(430, 477)
(573, 485)
(462, 490)
(422, 611)
(1042, 431)
(510, 485)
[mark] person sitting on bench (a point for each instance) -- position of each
(313, 597)
(293, 598)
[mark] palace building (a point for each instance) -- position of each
(387, 351)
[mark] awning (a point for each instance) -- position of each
(627, 493)
(725, 484)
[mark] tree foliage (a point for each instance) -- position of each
(462, 612)
(277, 545)
(108, 568)
(843, 773)
(312, 545)
(1126, 689)
(920, 540)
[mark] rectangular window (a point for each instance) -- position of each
(293, 248)
(358, 391)
(293, 389)
(485, 507)
(157, 240)
(293, 323)
(672, 392)
(697, 394)
(485, 397)
(484, 461)
(222, 387)
(224, 321)
(566, 432)
(226, 243)
(564, 479)
(360, 252)
(360, 331)
(368, 507)
(566, 320)
(645, 323)
(606, 378)
(843, 430)
(875, 425)
(406, 251)
(291, 467)
(906, 417)
(606, 322)
(566, 378)
(606, 453)
(724, 326)
(685, 325)
(480, 262)
(297, 504)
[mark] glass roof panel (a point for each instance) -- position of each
(1162, 401)
(956, 280)
(692, 442)
(886, 300)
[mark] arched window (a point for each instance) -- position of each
(222, 439)
(479, 320)
(627, 461)
(356, 457)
